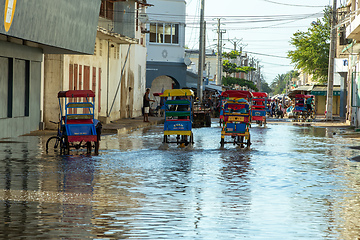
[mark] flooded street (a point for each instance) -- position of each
(294, 183)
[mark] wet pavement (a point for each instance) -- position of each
(294, 182)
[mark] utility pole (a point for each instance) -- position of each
(235, 42)
(330, 86)
(252, 72)
(201, 53)
(219, 55)
(258, 83)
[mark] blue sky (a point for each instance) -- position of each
(265, 27)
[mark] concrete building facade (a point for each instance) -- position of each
(115, 70)
(30, 29)
(349, 32)
(166, 45)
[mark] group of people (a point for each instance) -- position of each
(277, 108)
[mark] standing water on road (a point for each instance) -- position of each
(293, 183)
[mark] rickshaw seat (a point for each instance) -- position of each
(80, 121)
(179, 120)
(79, 116)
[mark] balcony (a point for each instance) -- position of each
(353, 30)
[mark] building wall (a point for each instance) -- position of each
(47, 22)
(167, 11)
(210, 68)
(20, 89)
(31, 29)
(176, 71)
(320, 104)
(162, 58)
(101, 73)
(124, 19)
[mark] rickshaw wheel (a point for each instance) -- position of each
(222, 142)
(88, 147)
(65, 146)
(165, 139)
(248, 143)
(53, 142)
(192, 138)
(97, 145)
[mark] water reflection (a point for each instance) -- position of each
(294, 183)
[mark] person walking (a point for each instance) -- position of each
(309, 102)
(146, 105)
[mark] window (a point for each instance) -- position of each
(107, 9)
(164, 33)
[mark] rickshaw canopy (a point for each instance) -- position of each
(76, 93)
(236, 94)
(177, 93)
(299, 96)
(259, 94)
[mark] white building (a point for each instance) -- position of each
(115, 71)
(29, 30)
(166, 45)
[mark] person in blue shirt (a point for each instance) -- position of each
(309, 104)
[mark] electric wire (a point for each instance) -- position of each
(292, 5)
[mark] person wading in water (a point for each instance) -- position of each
(146, 104)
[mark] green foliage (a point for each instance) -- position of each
(230, 68)
(312, 48)
(265, 86)
(281, 81)
(232, 55)
(231, 82)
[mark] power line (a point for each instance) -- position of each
(292, 5)
(267, 55)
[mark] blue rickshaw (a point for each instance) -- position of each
(236, 118)
(178, 116)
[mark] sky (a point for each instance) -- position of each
(262, 27)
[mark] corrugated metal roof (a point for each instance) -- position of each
(303, 88)
(115, 37)
(324, 88)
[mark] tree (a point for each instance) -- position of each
(231, 82)
(265, 86)
(232, 55)
(282, 81)
(230, 68)
(311, 52)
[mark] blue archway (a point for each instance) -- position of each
(176, 71)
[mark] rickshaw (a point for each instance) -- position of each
(236, 118)
(77, 127)
(301, 112)
(258, 107)
(178, 116)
